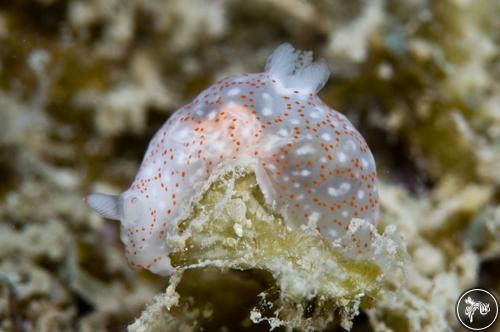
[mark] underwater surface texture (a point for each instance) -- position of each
(85, 85)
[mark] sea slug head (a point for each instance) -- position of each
(133, 212)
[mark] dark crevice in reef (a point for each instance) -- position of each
(83, 306)
(229, 295)
(488, 275)
(9, 175)
(394, 160)
(45, 19)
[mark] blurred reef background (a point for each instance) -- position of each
(85, 84)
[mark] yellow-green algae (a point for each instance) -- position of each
(316, 285)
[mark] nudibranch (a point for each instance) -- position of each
(311, 164)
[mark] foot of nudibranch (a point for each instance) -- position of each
(233, 227)
(107, 206)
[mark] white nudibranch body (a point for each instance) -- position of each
(309, 160)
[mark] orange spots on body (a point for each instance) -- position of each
(219, 128)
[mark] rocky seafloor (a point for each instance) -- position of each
(85, 84)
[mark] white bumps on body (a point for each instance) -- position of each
(311, 164)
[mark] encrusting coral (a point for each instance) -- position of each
(315, 283)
